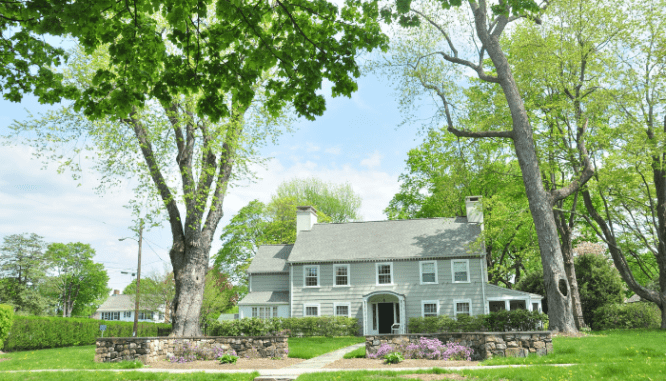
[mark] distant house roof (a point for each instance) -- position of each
(270, 259)
(266, 297)
(396, 239)
(117, 302)
(493, 291)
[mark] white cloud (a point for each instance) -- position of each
(311, 147)
(372, 161)
(333, 150)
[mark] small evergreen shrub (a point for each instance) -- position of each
(626, 316)
(502, 321)
(307, 326)
(39, 332)
(6, 319)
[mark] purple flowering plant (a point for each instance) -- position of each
(426, 348)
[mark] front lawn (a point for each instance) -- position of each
(309, 347)
(59, 358)
(126, 376)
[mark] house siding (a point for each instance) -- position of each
(269, 282)
(406, 281)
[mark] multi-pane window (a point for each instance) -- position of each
(462, 307)
(429, 308)
(145, 315)
(535, 306)
(341, 275)
(374, 316)
(460, 271)
(264, 312)
(311, 310)
(384, 273)
(428, 272)
(342, 310)
(110, 315)
(127, 314)
(311, 274)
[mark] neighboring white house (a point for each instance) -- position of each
(381, 272)
(120, 307)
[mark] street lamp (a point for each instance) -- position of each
(138, 280)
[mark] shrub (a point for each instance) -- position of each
(307, 326)
(630, 315)
(228, 359)
(36, 332)
(599, 284)
(6, 319)
(393, 358)
(501, 321)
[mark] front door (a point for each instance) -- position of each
(386, 318)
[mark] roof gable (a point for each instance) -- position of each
(270, 259)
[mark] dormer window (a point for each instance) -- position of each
(310, 276)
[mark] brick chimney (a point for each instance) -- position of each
(306, 217)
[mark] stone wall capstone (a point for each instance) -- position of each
(152, 349)
(485, 344)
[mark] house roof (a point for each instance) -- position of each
(270, 259)
(493, 291)
(117, 302)
(395, 239)
(266, 297)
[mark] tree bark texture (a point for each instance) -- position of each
(541, 202)
(566, 237)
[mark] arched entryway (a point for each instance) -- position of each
(383, 313)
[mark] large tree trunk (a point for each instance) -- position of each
(566, 235)
(189, 278)
(541, 203)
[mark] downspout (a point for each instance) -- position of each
(484, 279)
(291, 290)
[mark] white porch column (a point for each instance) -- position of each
(403, 316)
(365, 317)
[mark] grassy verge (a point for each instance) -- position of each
(356, 354)
(126, 376)
(586, 372)
(309, 347)
(615, 346)
(59, 358)
(363, 375)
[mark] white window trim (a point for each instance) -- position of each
(335, 308)
(318, 276)
(455, 307)
(453, 272)
(424, 302)
(377, 274)
(421, 272)
(348, 276)
(311, 305)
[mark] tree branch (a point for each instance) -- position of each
(585, 175)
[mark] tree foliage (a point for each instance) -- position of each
(600, 284)
(156, 293)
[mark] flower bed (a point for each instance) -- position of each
(426, 348)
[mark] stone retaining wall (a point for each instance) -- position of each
(485, 344)
(152, 349)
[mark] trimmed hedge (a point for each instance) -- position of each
(626, 316)
(501, 321)
(307, 326)
(6, 318)
(37, 332)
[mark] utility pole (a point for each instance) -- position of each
(138, 279)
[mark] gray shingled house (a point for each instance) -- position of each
(381, 272)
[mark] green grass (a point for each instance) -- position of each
(60, 358)
(363, 375)
(356, 354)
(125, 376)
(309, 347)
(601, 347)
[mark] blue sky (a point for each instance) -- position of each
(357, 141)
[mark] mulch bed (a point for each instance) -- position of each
(242, 363)
(379, 364)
